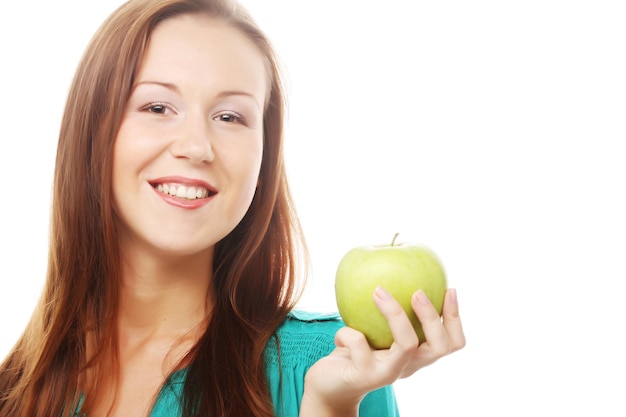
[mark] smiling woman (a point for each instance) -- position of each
(196, 101)
(172, 273)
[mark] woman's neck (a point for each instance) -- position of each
(161, 297)
(164, 304)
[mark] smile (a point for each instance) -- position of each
(182, 191)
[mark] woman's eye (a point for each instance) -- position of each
(229, 117)
(157, 108)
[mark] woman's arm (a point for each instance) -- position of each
(336, 384)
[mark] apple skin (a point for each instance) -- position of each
(401, 269)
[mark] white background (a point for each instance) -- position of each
(492, 131)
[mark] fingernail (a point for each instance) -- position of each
(453, 297)
(382, 294)
(421, 297)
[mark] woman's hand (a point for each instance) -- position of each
(335, 385)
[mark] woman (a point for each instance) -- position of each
(172, 269)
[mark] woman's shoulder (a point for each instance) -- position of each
(303, 337)
(310, 322)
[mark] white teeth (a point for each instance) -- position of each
(182, 191)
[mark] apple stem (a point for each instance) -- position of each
(393, 241)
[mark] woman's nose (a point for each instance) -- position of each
(193, 140)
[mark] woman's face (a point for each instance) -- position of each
(188, 152)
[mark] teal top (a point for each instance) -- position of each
(304, 339)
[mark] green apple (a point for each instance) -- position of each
(401, 269)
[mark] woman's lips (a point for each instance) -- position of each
(183, 192)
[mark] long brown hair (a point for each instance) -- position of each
(254, 266)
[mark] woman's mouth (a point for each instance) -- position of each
(188, 192)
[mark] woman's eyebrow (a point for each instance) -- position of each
(169, 86)
(221, 94)
(230, 93)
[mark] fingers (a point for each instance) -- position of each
(452, 320)
(354, 368)
(401, 328)
(356, 343)
(444, 335)
(436, 334)
(352, 344)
